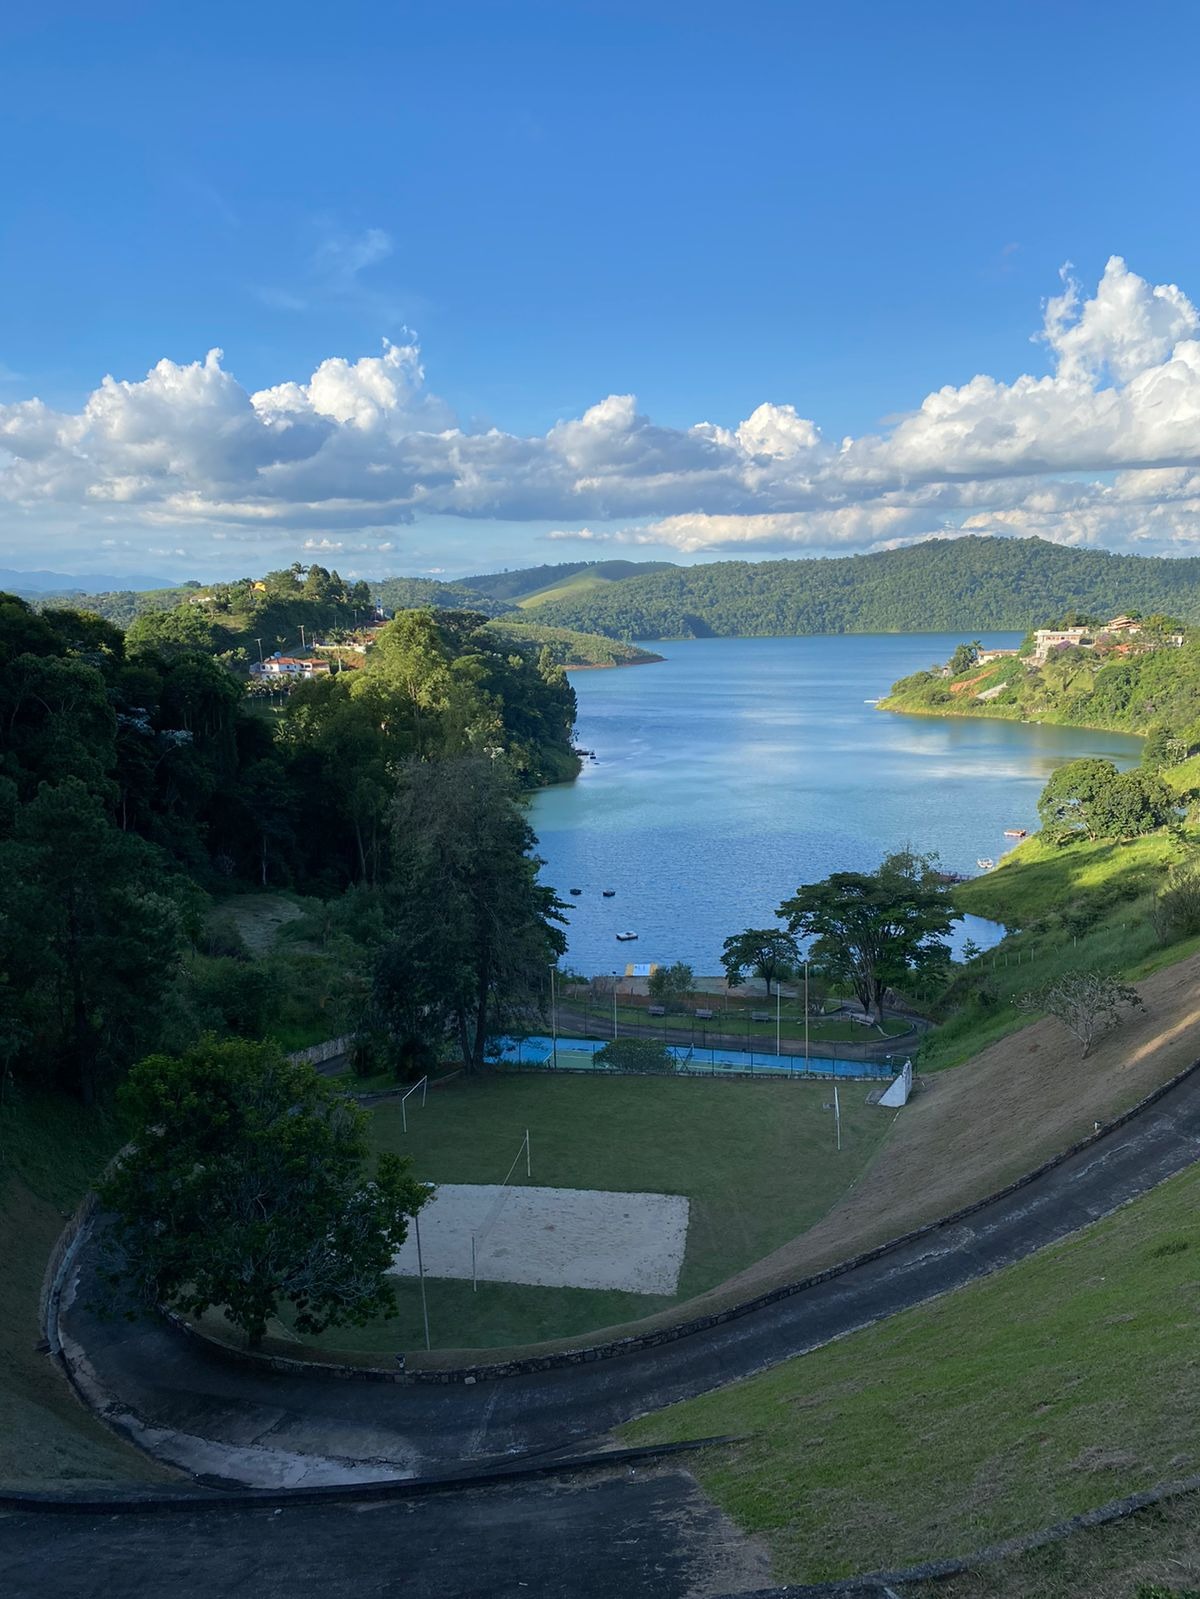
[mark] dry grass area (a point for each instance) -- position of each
(971, 1130)
(258, 918)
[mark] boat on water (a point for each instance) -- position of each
(577, 891)
(609, 892)
(985, 863)
(626, 938)
(1016, 832)
(871, 702)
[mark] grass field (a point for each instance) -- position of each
(1049, 1388)
(50, 1152)
(757, 1162)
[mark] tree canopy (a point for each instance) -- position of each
(871, 930)
(247, 1187)
(767, 952)
(1091, 799)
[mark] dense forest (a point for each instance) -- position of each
(939, 586)
(140, 785)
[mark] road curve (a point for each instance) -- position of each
(194, 1408)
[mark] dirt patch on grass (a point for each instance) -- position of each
(258, 918)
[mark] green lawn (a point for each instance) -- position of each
(50, 1153)
(1051, 1387)
(757, 1161)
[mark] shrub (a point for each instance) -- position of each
(636, 1055)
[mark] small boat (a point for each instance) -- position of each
(985, 863)
(1016, 832)
(870, 702)
(609, 892)
(577, 891)
(626, 938)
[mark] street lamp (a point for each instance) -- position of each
(421, 1268)
(806, 1016)
(553, 1016)
(614, 989)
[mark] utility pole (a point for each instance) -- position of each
(614, 1004)
(778, 1018)
(303, 645)
(258, 641)
(806, 1016)
(553, 1017)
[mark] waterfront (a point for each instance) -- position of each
(738, 768)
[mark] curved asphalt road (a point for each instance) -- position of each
(199, 1411)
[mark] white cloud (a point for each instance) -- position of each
(1104, 448)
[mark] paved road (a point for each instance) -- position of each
(268, 1429)
(653, 1537)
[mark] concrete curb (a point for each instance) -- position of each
(561, 1359)
(876, 1583)
(205, 1498)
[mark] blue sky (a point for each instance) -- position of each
(841, 210)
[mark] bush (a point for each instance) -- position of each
(1176, 911)
(636, 1055)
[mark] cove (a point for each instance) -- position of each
(736, 769)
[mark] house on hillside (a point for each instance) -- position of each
(289, 666)
(986, 657)
(1046, 640)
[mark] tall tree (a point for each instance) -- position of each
(466, 901)
(873, 929)
(767, 952)
(247, 1186)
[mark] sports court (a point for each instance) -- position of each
(551, 1237)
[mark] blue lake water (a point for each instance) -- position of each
(737, 769)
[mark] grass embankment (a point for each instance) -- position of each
(757, 1161)
(1071, 906)
(51, 1151)
(1049, 1388)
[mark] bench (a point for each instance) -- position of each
(704, 1016)
(657, 1010)
(760, 1015)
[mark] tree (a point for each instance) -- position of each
(246, 1187)
(1089, 1004)
(1090, 799)
(768, 952)
(871, 930)
(636, 1055)
(671, 985)
(965, 657)
(474, 929)
(1159, 746)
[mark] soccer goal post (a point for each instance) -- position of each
(483, 1231)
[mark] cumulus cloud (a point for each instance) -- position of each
(1102, 448)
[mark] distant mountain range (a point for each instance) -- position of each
(14, 582)
(961, 585)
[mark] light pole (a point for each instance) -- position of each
(778, 1020)
(421, 1271)
(258, 641)
(806, 1016)
(614, 1004)
(553, 1017)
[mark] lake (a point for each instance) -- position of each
(737, 769)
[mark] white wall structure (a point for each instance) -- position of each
(901, 1087)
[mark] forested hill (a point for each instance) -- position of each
(941, 586)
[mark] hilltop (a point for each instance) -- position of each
(944, 585)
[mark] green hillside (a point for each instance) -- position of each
(946, 584)
(570, 648)
(599, 576)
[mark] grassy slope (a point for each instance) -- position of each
(757, 1160)
(593, 577)
(573, 648)
(1048, 1388)
(1076, 906)
(51, 1152)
